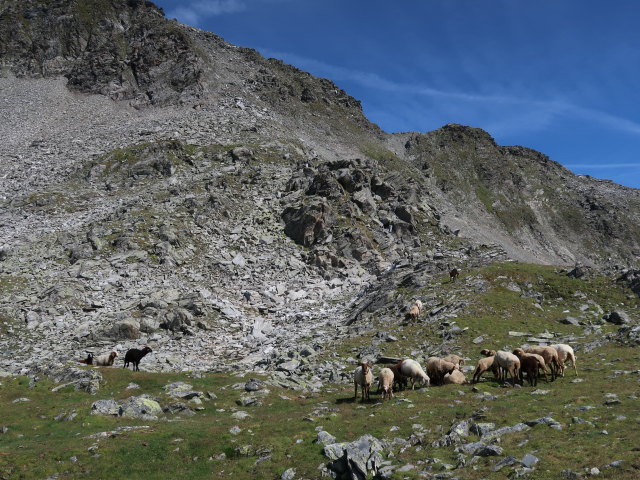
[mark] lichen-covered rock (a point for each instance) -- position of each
(140, 407)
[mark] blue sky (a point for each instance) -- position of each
(559, 76)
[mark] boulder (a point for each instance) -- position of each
(105, 407)
(617, 317)
(129, 329)
(359, 459)
(140, 407)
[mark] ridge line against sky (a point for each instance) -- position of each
(559, 77)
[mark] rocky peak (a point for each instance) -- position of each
(124, 49)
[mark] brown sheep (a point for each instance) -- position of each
(550, 356)
(455, 359)
(484, 364)
(455, 378)
(530, 363)
(437, 368)
(400, 381)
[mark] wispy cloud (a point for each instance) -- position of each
(193, 13)
(602, 166)
(527, 113)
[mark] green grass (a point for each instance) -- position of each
(37, 446)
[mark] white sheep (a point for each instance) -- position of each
(385, 382)
(509, 365)
(414, 311)
(455, 378)
(105, 360)
(565, 352)
(412, 369)
(364, 377)
(437, 368)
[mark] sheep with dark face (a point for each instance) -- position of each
(105, 360)
(134, 356)
(88, 360)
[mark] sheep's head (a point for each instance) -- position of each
(113, 354)
(518, 352)
(449, 367)
(146, 350)
(487, 353)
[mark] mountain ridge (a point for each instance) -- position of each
(256, 195)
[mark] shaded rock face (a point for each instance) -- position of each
(308, 224)
(124, 49)
(534, 202)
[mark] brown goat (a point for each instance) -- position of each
(454, 273)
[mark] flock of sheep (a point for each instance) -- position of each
(440, 371)
(133, 356)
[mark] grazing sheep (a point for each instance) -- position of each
(399, 380)
(414, 311)
(364, 377)
(565, 352)
(412, 369)
(437, 368)
(484, 364)
(550, 356)
(530, 363)
(509, 365)
(385, 382)
(455, 378)
(134, 356)
(106, 360)
(88, 360)
(455, 359)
